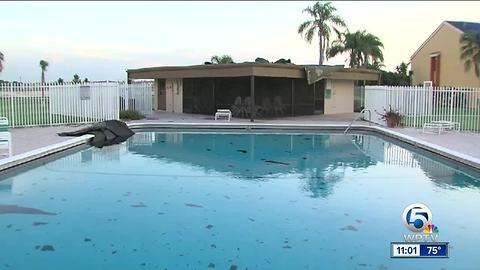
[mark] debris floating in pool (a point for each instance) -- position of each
(106, 133)
(15, 209)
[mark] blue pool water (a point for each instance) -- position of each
(189, 200)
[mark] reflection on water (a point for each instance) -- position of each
(320, 159)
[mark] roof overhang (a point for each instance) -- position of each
(247, 69)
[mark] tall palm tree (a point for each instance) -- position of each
(323, 21)
(43, 66)
(470, 51)
(2, 59)
(364, 49)
(76, 79)
(372, 50)
(224, 59)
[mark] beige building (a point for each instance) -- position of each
(273, 89)
(438, 58)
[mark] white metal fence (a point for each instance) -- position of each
(420, 105)
(136, 96)
(34, 104)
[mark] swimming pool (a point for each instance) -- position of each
(171, 199)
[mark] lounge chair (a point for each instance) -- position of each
(5, 139)
(278, 105)
(440, 126)
(4, 123)
(223, 113)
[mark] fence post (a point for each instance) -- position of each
(11, 106)
(126, 96)
(415, 90)
(48, 98)
(451, 103)
(117, 103)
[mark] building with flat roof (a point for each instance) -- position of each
(254, 90)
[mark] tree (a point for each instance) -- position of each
(60, 81)
(261, 60)
(85, 80)
(401, 76)
(323, 21)
(470, 51)
(76, 79)
(363, 49)
(43, 66)
(224, 59)
(283, 61)
(2, 59)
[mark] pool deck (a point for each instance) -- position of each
(462, 144)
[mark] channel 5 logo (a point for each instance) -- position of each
(416, 217)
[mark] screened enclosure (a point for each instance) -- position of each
(273, 96)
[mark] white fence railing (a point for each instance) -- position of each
(420, 105)
(34, 104)
(137, 96)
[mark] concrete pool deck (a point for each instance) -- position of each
(463, 143)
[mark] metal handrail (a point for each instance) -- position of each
(358, 116)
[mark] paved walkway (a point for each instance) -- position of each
(26, 139)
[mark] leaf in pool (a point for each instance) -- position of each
(242, 151)
(47, 248)
(233, 267)
(39, 223)
(349, 228)
(193, 205)
(209, 226)
(211, 265)
(139, 205)
(277, 162)
(15, 209)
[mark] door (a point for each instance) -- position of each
(319, 96)
(435, 69)
(162, 97)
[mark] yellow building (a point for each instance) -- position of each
(438, 58)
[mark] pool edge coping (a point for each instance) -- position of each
(42, 152)
(431, 147)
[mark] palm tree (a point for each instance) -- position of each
(323, 21)
(43, 66)
(60, 81)
(364, 49)
(470, 51)
(2, 59)
(76, 79)
(371, 50)
(224, 59)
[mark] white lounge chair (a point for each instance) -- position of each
(440, 126)
(5, 139)
(4, 123)
(223, 113)
(448, 125)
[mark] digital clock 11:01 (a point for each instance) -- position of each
(419, 250)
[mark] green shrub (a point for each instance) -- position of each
(130, 115)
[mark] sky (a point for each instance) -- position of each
(101, 40)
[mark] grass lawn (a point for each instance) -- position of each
(469, 119)
(33, 111)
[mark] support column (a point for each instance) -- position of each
(292, 89)
(252, 95)
(213, 94)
